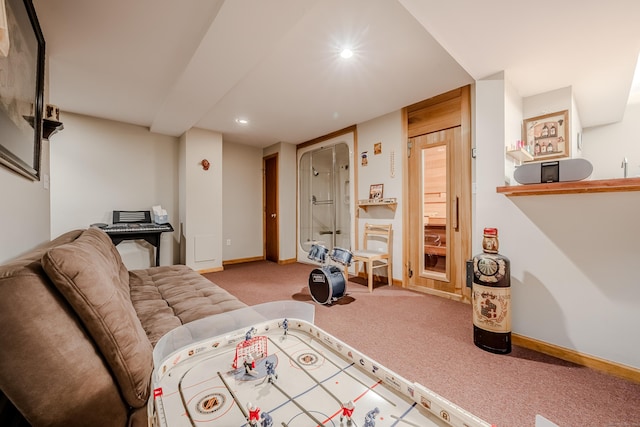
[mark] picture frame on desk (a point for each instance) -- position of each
(547, 136)
(22, 100)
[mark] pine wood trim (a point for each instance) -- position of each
(241, 260)
(452, 94)
(438, 293)
(602, 365)
(405, 197)
(210, 270)
(331, 135)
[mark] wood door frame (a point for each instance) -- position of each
(275, 188)
(465, 205)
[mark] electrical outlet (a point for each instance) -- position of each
(228, 242)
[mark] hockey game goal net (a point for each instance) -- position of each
(256, 347)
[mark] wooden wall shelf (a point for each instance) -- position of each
(389, 203)
(596, 186)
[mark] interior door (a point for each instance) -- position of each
(271, 243)
(439, 168)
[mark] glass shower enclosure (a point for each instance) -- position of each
(324, 198)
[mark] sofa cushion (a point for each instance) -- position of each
(89, 274)
(168, 296)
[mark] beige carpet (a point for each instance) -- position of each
(430, 340)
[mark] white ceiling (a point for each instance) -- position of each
(171, 65)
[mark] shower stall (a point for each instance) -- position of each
(324, 197)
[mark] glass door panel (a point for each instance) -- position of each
(324, 186)
(434, 208)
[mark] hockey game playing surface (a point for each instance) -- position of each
(312, 382)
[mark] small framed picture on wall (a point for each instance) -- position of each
(547, 137)
(375, 191)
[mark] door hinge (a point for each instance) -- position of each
(410, 271)
(409, 146)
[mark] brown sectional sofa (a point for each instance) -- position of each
(77, 329)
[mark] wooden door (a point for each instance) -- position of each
(271, 220)
(439, 190)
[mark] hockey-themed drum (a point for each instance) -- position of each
(341, 256)
(318, 253)
(326, 284)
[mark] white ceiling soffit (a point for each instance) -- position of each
(116, 59)
(171, 65)
(302, 89)
(240, 36)
(590, 45)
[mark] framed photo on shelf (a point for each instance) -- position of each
(547, 136)
(375, 192)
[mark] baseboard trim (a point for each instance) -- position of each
(602, 365)
(211, 270)
(288, 261)
(436, 292)
(242, 260)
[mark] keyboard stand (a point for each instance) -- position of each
(150, 236)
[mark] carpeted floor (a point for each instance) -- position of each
(429, 340)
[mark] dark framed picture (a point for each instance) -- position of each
(21, 90)
(547, 137)
(375, 192)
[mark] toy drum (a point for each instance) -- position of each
(318, 253)
(326, 284)
(341, 256)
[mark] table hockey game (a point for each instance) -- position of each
(269, 365)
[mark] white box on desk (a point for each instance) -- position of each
(160, 219)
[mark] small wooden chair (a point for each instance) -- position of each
(371, 257)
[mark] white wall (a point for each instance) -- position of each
(606, 146)
(386, 129)
(242, 202)
(287, 198)
(287, 201)
(571, 255)
(201, 208)
(99, 166)
(25, 212)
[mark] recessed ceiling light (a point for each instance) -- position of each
(346, 53)
(242, 121)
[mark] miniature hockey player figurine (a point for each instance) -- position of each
(370, 418)
(254, 414)
(250, 366)
(271, 371)
(267, 421)
(285, 326)
(250, 333)
(347, 412)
